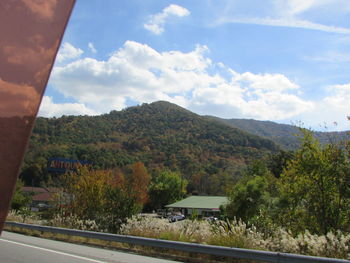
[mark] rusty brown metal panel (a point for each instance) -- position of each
(30, 34)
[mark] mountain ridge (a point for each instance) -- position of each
(285, 135)
(159, 134)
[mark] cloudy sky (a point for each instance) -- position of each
(282, 60)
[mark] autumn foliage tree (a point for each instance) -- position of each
(106, 196)
(138, 182)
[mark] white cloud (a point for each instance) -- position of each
(336, 106)
(332, 109)
(300, 6)
(285, 22)
(68, 52)
(50, 109)
(258, 96)
(292, 13)
(297, 7)
(331, 57)
(140, 73)
(92, 47)
(156, 22)
(135, 71)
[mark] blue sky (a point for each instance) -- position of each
(282, 60)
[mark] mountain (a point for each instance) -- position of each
(287, 136)
(159, 134)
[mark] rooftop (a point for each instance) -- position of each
(40, 193)
(201, 202)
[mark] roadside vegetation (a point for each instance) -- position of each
(234, 233)
(312, 192)
(294, 202)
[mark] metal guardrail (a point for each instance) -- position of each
(257, 255)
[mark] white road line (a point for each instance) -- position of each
(53, 251)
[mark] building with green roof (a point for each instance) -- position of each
(203, 205)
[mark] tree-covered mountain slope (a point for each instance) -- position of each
(287, 136)
(159, 134)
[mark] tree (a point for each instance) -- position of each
(278, 162)
(34, 172)
(257, 168)
(315, 188)
(20, 200)
(101, 195)
(246, 197)
(119, 206)
(87, 189)
(138, 183)
(166, 188)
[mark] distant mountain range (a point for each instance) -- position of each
(287, 136)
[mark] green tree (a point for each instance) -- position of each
(166, 188)
(118, 207)
(315, 188)
(20, 200)
(34, 172)
(257, 168)
(278, 162)
(247, 197)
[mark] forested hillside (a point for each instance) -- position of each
(283, 134)
(159, 134)
(151, 155)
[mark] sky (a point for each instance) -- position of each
(286, 61)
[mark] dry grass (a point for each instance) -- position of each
(238, 234)
(231, 234)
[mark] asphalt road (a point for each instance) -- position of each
(16, 248)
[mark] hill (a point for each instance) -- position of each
(159, 134)
(284, 135)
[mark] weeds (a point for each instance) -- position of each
(234, 233)
(238, 234)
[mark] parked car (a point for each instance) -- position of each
(163, 213)
(174, 218)
(211, 219)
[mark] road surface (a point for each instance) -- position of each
(16, 248)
